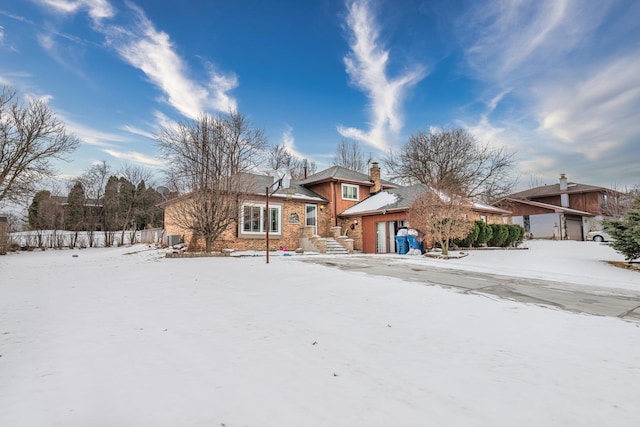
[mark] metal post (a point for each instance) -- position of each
(267, 193)
(268, 224)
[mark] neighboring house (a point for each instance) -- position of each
(378, 219)
(566, 210)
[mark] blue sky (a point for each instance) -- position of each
(555, 81)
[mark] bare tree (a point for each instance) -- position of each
(279, 158)
(132, 192)
(349, 155)
(31, 136)
(300, 169)
(208, 159)
(534, 181)
(442, 218)
(453, 161)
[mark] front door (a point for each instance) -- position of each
(312, 217)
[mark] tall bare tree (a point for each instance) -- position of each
(350, 155)
(208, 159)
(31, 136)
(300, 169)
(442, 218)
(455, 162)
(132, 193)
(279, 159)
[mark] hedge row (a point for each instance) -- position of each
(496, 235)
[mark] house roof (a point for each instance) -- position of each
(342, 174)
(260, 183)
(554, 190)
(399, 199)
(554, 208)
(293, 191)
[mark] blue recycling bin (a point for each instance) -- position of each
(402, 245)
(414, 243)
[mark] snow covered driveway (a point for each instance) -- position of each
(110, 339)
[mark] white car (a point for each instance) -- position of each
(598, 236)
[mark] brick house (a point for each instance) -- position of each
(566, 210)
(335, 206)
(304, 213)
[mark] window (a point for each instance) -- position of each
(350, 192)
(254, 219)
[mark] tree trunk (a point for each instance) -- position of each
(207, 244)
(445, 247)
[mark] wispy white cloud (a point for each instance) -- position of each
(150, 50)
(289, 142)
(366, 65)
(97, 9)
(137, 131)
(91, 136)
(507, 40)
(144, 47)
(135, 157)
(597, 113)
(573, 82)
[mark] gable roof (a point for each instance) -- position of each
(554, 190)
(342, 174)
(259, 183)
(293, 191)
(399, 199)
(554, 208)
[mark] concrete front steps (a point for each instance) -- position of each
(334, 248)
(335, 245)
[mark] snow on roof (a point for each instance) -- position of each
(490, 208)
(373, 203)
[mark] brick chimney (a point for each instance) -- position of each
(374, 174)
(564, 197)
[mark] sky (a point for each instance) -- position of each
(555, 82)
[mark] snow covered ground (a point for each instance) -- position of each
(582, 263)
(125, 337)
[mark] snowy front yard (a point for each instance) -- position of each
(115, 339)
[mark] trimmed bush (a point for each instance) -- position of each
(499, 235)
(484, 234)
(516, 235)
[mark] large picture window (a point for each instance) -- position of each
(350, 192)
(255, 219)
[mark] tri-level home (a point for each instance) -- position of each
(566, 210)
(304, 213)
(336, 210)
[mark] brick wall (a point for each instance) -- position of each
(292, 219)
